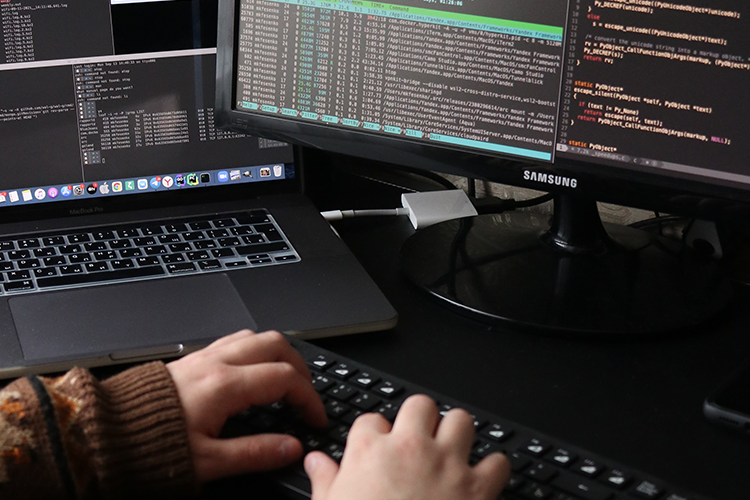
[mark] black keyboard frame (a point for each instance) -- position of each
(538, 471)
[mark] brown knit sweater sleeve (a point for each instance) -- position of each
(75, 437)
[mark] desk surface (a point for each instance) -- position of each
(637, 401)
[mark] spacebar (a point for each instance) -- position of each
(80, 279)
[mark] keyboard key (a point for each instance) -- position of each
(18, 275)
(535, 447)
(236, 263)
(96, 267)
(270, 232)
(536, 491)
(105, 255)
(18, 286)
(129, 253)
(616, 478)
(180, 247)
(6, 266)
(322, 383)
(252, 239)
(209, 265)
(152, 231)
(128, 233)
(264, 248)
(28, 243)
(581, 488)
(199, 225)
(119, 244)
(321, 362)
(205, 244)
(71, 269)
(342, 392)
(44, 252)
(366, 380)
(335, 409)
(75, 279)
(79, 258)
(561, 457)
(50, 241)
(54, 261)
(147, 261)
(229, 242)
(19, 254)
(483, 448)
(169, 238)
(147, 240)
(240, 230)
(588, 468)
(497, 433)
(7, 245)
(342, 371)
(217, 233)
(44, 272)
(388, 389)
(254, 217)
(541, 472)
(122, 264)
(28, 263)
(103, 235)
(647, 490)
(224, 223)
(266, 260)
(155, 250)
(194, 236)
(186, 267)
(365, 401)
(173, 258)
(70, 249)
(78, 238)
(175, 228)
(201, 255)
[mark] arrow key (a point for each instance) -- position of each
(388, 389)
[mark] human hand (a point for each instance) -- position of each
(231, 375)
(420, 457)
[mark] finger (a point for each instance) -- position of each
(418, 414)
(228, 339)
(227, 457)
(262, 348)
(266, 383)
(370, 423)
(322, 470)
(494, 473)
(456, 432)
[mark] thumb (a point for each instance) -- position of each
(226, 457)
(322, 470)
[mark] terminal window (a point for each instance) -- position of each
(481, 75)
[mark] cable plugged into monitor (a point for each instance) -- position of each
(424, 209)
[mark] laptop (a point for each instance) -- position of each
(131, 228)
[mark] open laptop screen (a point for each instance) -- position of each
(101, 100)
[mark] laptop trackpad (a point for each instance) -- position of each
(113, 319)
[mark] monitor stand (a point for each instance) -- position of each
(573, 275)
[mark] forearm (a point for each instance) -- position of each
(75, 437)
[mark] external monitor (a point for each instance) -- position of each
(639, 103)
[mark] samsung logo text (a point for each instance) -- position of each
(555, 180)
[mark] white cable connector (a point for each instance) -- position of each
(424, 209)
(345, 214)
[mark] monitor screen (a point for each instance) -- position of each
(100, 100)
(601, 92)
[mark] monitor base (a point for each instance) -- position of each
(573, 276)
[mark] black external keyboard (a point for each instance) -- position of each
(34, 262)
(544, 468)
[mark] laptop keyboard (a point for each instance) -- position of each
(57, 260)
(543, 468)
